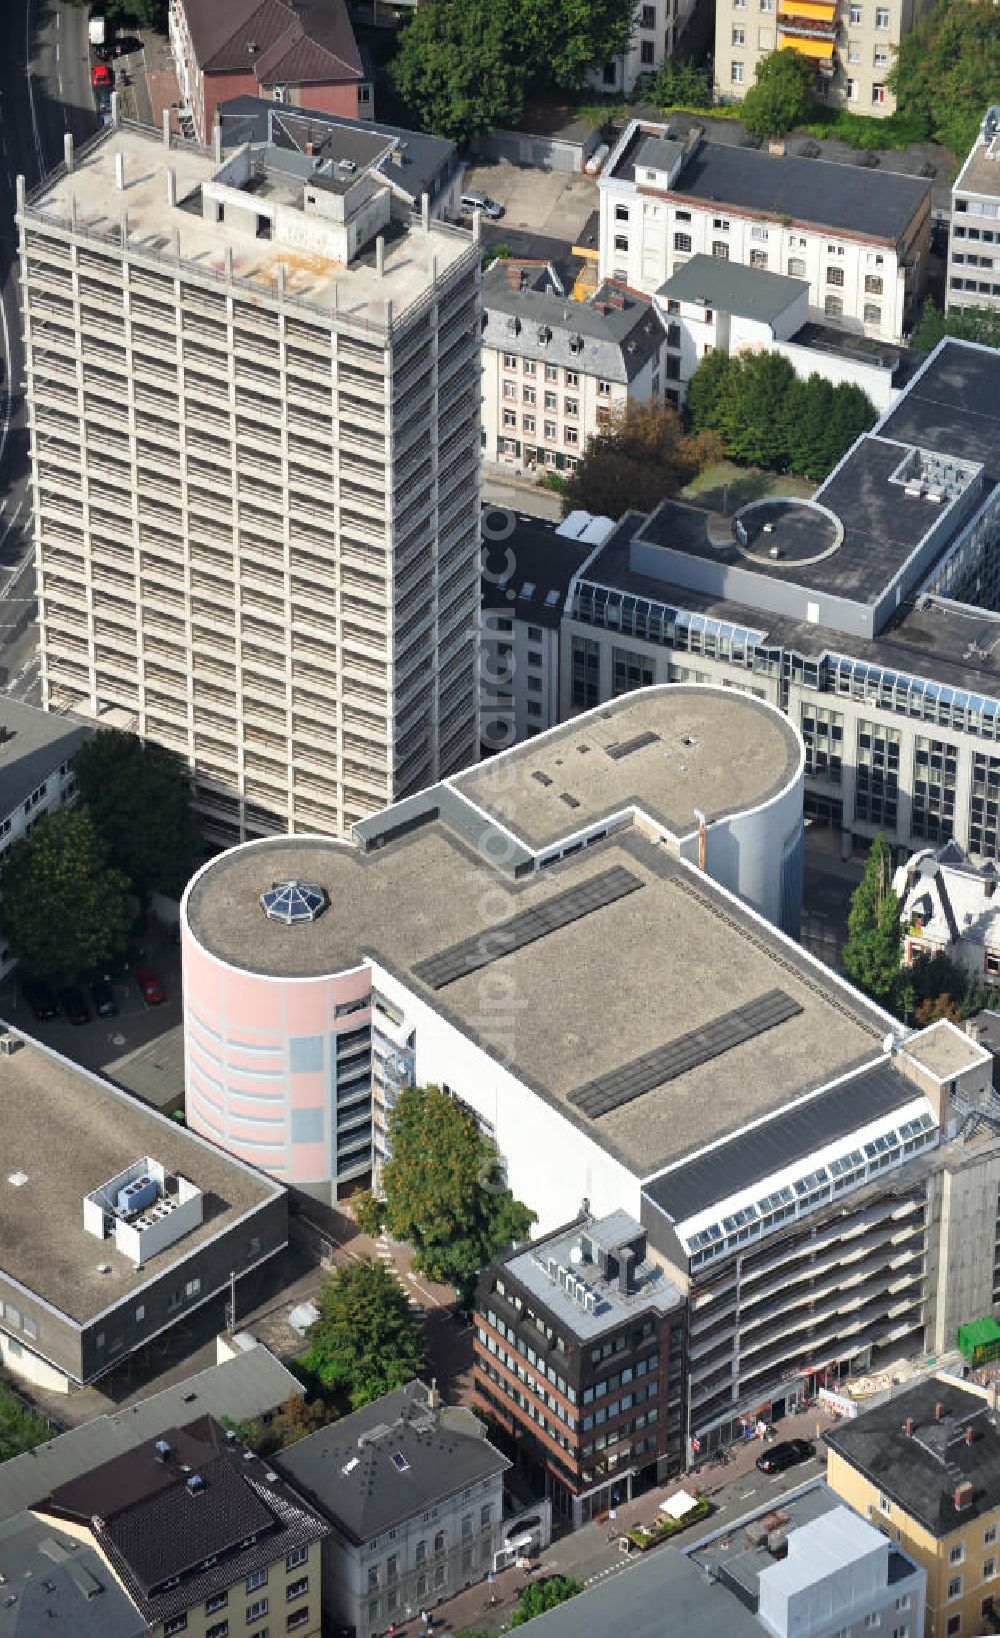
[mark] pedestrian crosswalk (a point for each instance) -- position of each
(383, 1251)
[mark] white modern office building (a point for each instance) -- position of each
(254, 401)
(974, 240)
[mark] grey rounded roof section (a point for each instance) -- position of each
(786, 529)
(293, 902)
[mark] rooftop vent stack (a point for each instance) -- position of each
(309, 148)
(119, 171)
(68, 150)
(938, 1411)
(962, 1495)
(626, 1259)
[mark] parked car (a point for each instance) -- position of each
(102, 998)
(150, 988)
(40, 999)
(126, 45)
(483, 202)
(100, 74)
(74, 1004)
(786, 1454)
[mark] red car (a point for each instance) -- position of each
(100, 75)
(150, 988)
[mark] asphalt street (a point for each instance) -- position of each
(44, 92)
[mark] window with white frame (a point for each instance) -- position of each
(739, 35)
(851, 90)
(853, 52)
(758, 232)
(881, 56)
(720, 224)
(878, 95)
(872, 313)
(621, 213)
(682, 242)
(758, 258)
(603, 389)
(736, 72)
(955, 1587)
(881, 16)
(833, 306)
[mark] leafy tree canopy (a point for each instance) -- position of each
(543, 1595)
(934, 986)
(980, 324)
(297, 1417)
(680, 85)
(138, 796)
(641, 455)
(463, 66)
(874, 943)
(128, 14)
(65, 909)
(366, 1341)
(767, 417)
(782, 95)
(947, 69)
(444, 1192)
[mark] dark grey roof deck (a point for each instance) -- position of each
(36, 743)
(954, 406)
(730, 287)
(851, 199)
(544, 562)
(695, 1184)
(616, 342)
(920, 1471)
(52, 1583)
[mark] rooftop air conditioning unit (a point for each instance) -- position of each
(10, 1043)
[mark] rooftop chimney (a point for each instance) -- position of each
(908, 1427)
(962, 1495)
(969, 1434)
(938, 1411)
(433, 1397)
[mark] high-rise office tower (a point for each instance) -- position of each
(254, 396)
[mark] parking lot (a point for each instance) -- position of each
(544, 210)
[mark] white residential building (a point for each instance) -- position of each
(859, 238)
(852, 44)
(254, 413)
(657, 32)
(555, 370)
(974, 241)
(711, 305)
(949, 904)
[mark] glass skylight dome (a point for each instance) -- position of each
(293, 902)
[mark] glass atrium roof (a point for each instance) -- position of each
(293, 902)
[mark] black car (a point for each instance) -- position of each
(74, 1004)
(40, 999)
(102, 999)
(788, 1454)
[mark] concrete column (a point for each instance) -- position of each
(433, 269)
(171, 185)
(72, 210)
(124, 227)
(425, 211)
(380, 255)
(217, 141)
(116, 109)
(166, 127)
(19, 190)
(281, 279)
(68, 150)
(119, 171)
(229, 261)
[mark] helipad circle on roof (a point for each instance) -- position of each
(786, 529)
(293, 902)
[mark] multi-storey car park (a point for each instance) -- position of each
(869, 613)
(556, 937)
(254, 399)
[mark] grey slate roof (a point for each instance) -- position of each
(663, 1596)
(359, 1486)
(729, 287)
(36, 743)
(428, 162)
(544, 561)
(616, 342)
(787, 1137)
(243, 1388)
(920, 1471)
(849, 198)
(55, 1585)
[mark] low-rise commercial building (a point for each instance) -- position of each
(579, 1354)
(713, 305)
(117, 1223)
(858, 238)
(413, 1494)
(925, 1468)
(555, 370)
(201, 1534)
(974, 240)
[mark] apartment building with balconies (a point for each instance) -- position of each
(253, 390)
(555, 370)
(851, 43)
(859, 238)
(657, 30)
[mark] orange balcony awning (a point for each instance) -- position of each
(816, 11)
(820, 49)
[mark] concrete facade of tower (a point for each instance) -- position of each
(254, 398)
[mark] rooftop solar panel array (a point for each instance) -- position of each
(625, 747)
(720, 1035)
(493, 943)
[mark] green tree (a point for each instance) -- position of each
(562, 39)
(297, 1417)
(543, 1595)
(851, 413)
(709, 389)
(680, 85)
(874, 943)
(947, 70)
(444, 1191)
(65, 909)
(139, 798)
(755, 429)
(807, 410)
(458, 67)
(366, 1341)
(126, 14)
(981, 324)
(935, 985)
(640, 456)
(782, 95)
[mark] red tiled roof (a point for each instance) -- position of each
(294, 41)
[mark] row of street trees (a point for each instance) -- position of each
(67, 887)
(765, 415)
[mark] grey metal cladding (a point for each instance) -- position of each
(528, 925)
(686, 1052)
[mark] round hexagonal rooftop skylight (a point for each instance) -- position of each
(293, 902)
